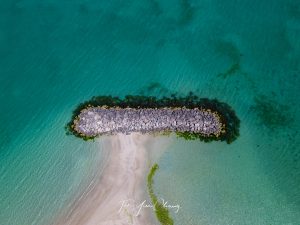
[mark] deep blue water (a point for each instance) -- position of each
(56, 54)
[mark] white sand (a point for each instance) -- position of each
(123, 181)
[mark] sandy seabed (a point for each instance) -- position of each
(117, 196)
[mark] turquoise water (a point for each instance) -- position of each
(55, 54)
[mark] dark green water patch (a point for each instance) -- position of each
(154, 88)
(293, 9)
(234, 69)
(228, 49)
(271, 113)
(187, 12)
(155, 8)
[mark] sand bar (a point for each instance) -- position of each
(123, 180)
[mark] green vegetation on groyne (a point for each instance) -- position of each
(228, 118)
(161, 212)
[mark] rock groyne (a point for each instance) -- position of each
(94, 121)
(189, 117)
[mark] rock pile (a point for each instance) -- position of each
(93, 121)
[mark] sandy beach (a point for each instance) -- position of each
(117, 197)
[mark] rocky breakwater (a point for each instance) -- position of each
(189, 117)
(94, 121)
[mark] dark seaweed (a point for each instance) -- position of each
(271, 113)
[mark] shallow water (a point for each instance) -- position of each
(56, 54)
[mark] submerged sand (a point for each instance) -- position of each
(116, 198)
